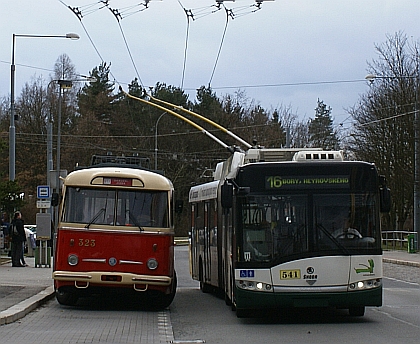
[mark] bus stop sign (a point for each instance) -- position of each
(43, 191)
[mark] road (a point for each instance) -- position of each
(204, 317)
(196, 317)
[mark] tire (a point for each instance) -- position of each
(66, 298)
(160, 301)
(357, 311)
(228, 301)
(204, 287)
(242, 313)
(168, 298)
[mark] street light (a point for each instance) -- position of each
(85, 78)
(63, 84)
(12, 129)
(416, 203)
(156, 134)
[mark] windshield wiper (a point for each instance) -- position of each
(334, 240)
(99, 213)
(134, 220)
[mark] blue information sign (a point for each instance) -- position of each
(43, 191)
(247, 273)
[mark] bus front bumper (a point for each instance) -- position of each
(263, 300)
(103, 277)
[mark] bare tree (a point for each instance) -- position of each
(383, 132)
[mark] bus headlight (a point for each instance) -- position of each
(255, 286)
(364, 285)
(73, 259)
(152, 264)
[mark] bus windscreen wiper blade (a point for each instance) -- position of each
(132, 218)
(334, 240)
(102, 210)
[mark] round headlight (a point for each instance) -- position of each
(152, 264)
(73, 259)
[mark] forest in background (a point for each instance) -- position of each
(97, 118)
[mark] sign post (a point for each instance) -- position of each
(43, 227)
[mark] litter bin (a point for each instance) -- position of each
(42, 256)
(411, 247)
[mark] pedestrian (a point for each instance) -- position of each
(18, 238)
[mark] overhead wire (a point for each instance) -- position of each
(228, 14)
(118, 16)
(79, 14)
(193, 14)
(189, 15)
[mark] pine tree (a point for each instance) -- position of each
(321, 132)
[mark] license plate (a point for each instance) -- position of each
(289, 274)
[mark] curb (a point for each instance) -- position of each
(18, 311)
(401, 262)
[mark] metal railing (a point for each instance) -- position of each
(396, 239)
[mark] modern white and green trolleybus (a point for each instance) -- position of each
(283, 228)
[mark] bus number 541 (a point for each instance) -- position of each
(289, 274)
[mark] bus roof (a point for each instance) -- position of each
(146, 179)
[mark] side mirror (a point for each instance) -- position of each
(227, 195)
(385, 200)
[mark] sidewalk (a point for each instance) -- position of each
(402, 258)
(24, 289)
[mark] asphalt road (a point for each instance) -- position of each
(198, 317)
(195, 317)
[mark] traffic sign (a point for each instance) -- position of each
(43, 191)
(43, 204)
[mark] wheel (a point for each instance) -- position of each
(357, 311)
(168, 298)
(228, 301)
(204, 287)
(66, 298)
(242, 313)
(229, 298)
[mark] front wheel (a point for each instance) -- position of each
(66, 298)
(358, 311)
(161, 301)
(204, 287)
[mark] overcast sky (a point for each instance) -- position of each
(290, 52)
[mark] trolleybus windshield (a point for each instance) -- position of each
(277, 226)
(116, 207)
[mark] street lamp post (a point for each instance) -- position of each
(156, 135)
(64, 84)
(416, 196)
(12, 129)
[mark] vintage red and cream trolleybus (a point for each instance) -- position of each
(115, 234)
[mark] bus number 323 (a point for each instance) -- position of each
(87, 242)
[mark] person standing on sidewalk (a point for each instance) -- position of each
(18, 238)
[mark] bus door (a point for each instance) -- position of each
(207, 254)
(195, 247)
